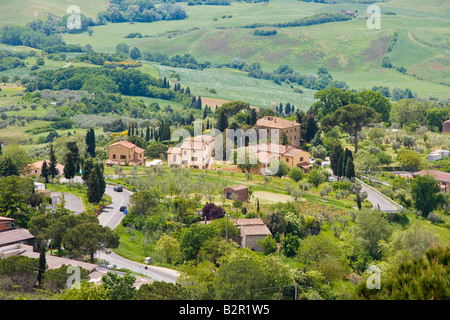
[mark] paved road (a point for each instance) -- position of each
(373, 197)
(73, 203)
(111, 217)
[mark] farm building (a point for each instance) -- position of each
(446, 127)
(240, 191)
(442, 177)
(432, 156)
(252, 230)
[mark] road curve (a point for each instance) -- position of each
(111, 217)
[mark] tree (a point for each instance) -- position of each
(408, 111)
(69, 168)
(73, 148)
(7, 167)
(309, 126)
(334, 158)
(45, 171)
(269, 244)
(350, 118)
(371, 227)
(349, 168)
(316, 176)
(253, 117)
(157, 150)
(276, 222)
(95, 184)
(52, 170)
(410, 159)
(88, 165)
(290, 245)
(376, 101)
(296, 174)
(168, 248)
(42, 265)
(284, 139)
(329, 100)
(13, 199)
(425, 193)
(119, 287)
(135, 53)
(222, 120)
(88, 238)
(90, 143)
(210, 212)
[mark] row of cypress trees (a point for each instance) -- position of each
(341, 162)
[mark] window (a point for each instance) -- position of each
(184, 152)
(287, 160)
(301, 158)
(123, 156)
(114, 156)
(174, 158)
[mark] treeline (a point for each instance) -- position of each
(11, 60)
(100, 59)
(265, 32)
(286, 74)
(396, 93)
(177, 61)
(319, 18)
(25, 36)
(209, 2)
(140, 11)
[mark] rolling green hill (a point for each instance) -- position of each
(348, 49)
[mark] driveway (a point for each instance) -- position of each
(73, 203)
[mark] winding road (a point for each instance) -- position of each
(111, 217)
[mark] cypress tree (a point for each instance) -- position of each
(222, 121)
(42, 263)
(45, 171)
(90, 143)
(147, 134)
(69, 168)
(334, 158)
(253, 117)
(349, 168)
(340, 166)
(87, 168)
(52, 170)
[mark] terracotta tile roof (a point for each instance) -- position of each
(254, 226)
(275, 122)
(238, 187)
(139, 150)
(174, 150)
(253, 230)
(292, 152)
(125, 144)
(38, 165)
(14, 235)
(438, 175)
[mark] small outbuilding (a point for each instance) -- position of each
(252, 230)
(240, 191)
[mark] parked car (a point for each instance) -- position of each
(123, 208)
(118, 189)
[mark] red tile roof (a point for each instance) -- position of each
(438, 175)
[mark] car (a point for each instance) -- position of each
(123, 208)
(118, 189)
